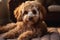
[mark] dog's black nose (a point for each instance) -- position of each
(30, 18)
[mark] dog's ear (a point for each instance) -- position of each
(42, 11)
(18, 12)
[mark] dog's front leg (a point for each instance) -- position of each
(7, 27)
(26, 35)
(12, 33)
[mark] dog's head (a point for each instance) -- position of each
(30, 11)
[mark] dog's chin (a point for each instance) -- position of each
(30, 21)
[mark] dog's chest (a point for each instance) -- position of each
(37, 30)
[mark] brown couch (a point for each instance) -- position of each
(53, 15)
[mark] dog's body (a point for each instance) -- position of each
(21, 29)
(30, 21)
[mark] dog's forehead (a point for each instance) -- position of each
(30, 7)
(31, 4)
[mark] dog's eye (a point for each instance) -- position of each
(34, 11)
(25, 12)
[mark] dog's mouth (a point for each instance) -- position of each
(30, 18)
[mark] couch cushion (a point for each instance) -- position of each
(54, 8)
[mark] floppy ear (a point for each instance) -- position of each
(41, 16)
(42, 12)
(18, 12)
(41, 9)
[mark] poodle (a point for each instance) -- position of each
(30, 23)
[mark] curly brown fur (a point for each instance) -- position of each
(7, 27)
(30, 21)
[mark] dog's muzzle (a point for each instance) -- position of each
(30, 15)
